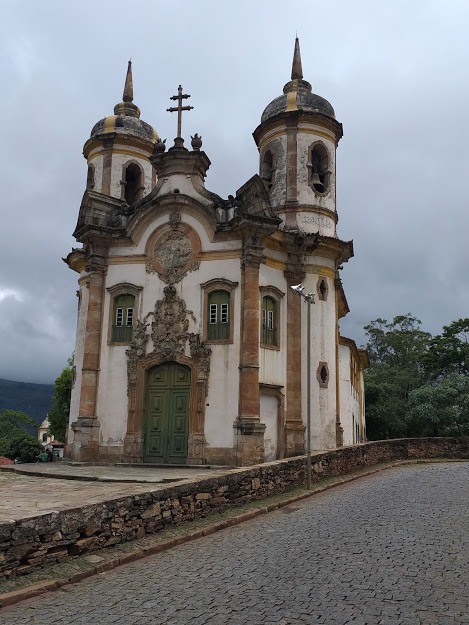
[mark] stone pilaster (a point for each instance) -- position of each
(249, 432)
(85, 445)
(294, 427)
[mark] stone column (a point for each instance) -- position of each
(86, 428)
(248, 429)
(294, 427)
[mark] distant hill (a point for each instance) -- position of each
(33, 399)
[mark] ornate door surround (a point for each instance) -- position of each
(170, 338)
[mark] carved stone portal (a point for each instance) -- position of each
(169, 335)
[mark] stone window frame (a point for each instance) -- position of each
(123, 181)
(327, 173)
(321, 296)
(323, 383)
(276, 294)
(218, 284)
(122, 288)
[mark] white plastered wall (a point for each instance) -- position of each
(273, 362)
(269, 408)
(323, 338)
(96, 161)
(349, 399)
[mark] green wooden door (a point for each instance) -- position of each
(167, 414)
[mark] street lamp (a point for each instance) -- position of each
(309, 299)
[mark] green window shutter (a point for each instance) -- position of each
(269, 321)
(218, 316)
(123, 318)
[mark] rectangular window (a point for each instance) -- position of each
(224, 313)
(264, 318)
(213, 313)
(130, 317)
(120, 317)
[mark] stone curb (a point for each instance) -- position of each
(10, 598)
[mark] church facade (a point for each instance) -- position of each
(191, 344)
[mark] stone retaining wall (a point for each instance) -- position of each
(28, 544)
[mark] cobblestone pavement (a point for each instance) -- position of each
(389, 549)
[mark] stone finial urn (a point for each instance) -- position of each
(196, 142)
(160, 146)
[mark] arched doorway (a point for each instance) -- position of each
(167, 413)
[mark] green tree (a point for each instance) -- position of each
(396, 350)
(448, 352)
(441, 409)
(59, 412)
(14, 439)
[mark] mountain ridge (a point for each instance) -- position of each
(33, 399)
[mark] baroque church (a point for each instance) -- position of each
(191, 345)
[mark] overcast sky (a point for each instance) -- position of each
(395, 71)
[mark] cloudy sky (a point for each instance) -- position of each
(396, 72)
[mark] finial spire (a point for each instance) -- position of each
(296, 70)
(128, 95)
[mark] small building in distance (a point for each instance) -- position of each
(48, 440)
(191, 345)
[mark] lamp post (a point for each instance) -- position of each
(309, 299)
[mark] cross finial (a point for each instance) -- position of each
(179, 108)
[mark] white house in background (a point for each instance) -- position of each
(48, 440)
(191, 345)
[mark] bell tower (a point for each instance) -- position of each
(297, 140)
(119, 149)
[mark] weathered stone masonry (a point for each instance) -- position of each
(26, 545)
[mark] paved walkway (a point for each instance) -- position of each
(389, 549)
(23, 495)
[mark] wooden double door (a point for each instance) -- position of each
(167, 414)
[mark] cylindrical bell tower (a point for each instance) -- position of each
(297, 140)
(119, 149)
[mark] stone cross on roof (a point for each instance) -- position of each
(179, 108)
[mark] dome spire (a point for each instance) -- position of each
(128, 94)
(296, 70)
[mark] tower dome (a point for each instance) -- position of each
(119, 149)
(126, 118)
(297, 95)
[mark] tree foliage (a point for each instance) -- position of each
(395, 349)
(416, 384)
(58, 414)
(15, 441)
(448, 352)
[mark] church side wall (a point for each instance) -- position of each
(346, 399)
(323, 337)
(273, 362)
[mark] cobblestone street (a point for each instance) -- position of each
(389, 549)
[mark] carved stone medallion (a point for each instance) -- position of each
(173, 250)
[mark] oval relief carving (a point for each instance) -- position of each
(173, 250)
